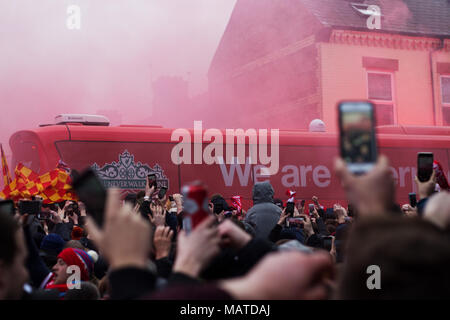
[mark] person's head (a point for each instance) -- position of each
(220, 204)
(331, 228)
(51, 246)
(75, 244)
(13, 273)
(263, 192)
(131, 198)
(140, 195)
(411, 257)
(77, 233)
(87, 291)
(72, 257)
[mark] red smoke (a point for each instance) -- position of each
(108, 65)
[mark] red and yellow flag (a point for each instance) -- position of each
(5, 169)
(53, 186)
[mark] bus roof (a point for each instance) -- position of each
(436, 136)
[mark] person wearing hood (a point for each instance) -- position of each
(264, 214)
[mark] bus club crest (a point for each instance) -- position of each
(127, 174)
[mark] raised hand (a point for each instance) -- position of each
(233, 236)
(162, 241)
(159, 215)
(426, 189)
(125, 237)
(196, 250)
(372, 193)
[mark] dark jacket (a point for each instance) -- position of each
(36, 267)
(264, 214)
(234, 263)
(36, 230)
(134, 283)
(64, 230)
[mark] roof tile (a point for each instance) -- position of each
(417, 17)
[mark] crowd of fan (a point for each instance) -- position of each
(142, 251)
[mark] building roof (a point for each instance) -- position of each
(413, 17)
(259, 27)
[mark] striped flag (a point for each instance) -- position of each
(5, 169)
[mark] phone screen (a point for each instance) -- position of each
(30, 207)
(412, 199)
(295, 221)
(357, 135)
(424, 165)
(92, 193)
(311, 208)
(162, 192)
(7, 207)
(290, 207)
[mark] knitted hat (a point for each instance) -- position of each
(77, 233)
(79, 258)
(52, 244)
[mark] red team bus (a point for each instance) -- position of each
(124, 155)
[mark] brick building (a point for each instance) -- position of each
(281, 64)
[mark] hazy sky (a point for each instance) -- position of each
(46, 68)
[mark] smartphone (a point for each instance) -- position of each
(424, 166)
(295, 221)
(7, 207)
(32, 207)
(290, 208)
(412, 199)
(92, 193)
(311, 208)
(196, 207)
(357, 135)
(151, 179)
(171, 198)
(162, 192)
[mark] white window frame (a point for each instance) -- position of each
(444, 104)
(376, 101)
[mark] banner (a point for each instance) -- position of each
(53, 186)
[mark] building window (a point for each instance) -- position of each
(445, 93)
(381, 92)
